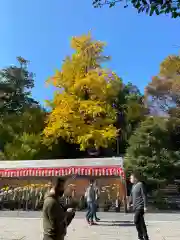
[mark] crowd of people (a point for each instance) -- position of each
(57, 217)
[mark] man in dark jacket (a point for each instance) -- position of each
(138, 200)
(56, 218)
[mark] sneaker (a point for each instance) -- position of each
(92, 223)
(98, 219)
(146, 237)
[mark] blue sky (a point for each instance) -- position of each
(40, 31)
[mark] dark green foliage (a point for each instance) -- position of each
(131, 110)
(152, 152)
(15, 88)
(150, 7)
(21, 117)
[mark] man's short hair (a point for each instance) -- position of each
(137, 175)
(91, 181)
(58, 182)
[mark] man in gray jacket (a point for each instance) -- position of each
(138, 200)
(55, 217)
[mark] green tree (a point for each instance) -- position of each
(131, 111)
(151, 150)
(21, 117)
(2, 156)
(31, 121)
(150, 7)
(16, 83)
(24, 147)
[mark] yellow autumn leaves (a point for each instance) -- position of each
(82, 109)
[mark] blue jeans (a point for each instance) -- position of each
(95, 211)
(91, 211)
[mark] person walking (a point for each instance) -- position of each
(55, 217)
(96, 201)
(90, 196)
(138, 200)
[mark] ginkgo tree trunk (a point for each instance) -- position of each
(82, 108)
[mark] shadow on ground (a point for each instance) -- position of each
(116, 223)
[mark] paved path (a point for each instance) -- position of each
(160, 227)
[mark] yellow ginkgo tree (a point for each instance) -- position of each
(82, 108)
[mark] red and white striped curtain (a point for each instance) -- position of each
(45, 172)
